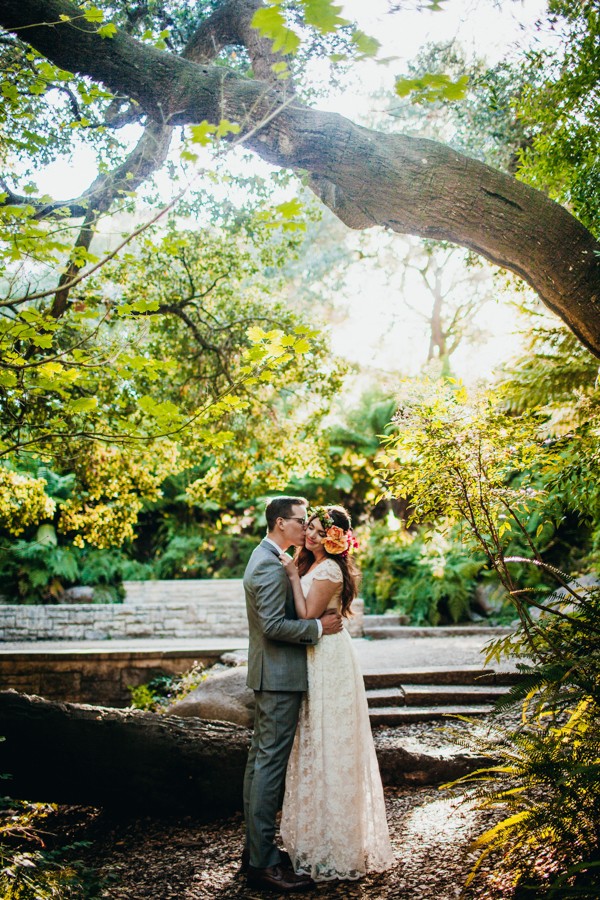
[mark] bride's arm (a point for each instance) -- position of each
(318, 598)
(321, 591)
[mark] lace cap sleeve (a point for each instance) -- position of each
(328, 570)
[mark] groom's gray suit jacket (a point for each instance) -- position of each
(278, 639)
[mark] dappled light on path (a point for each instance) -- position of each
(186, 859)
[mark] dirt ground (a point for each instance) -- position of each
(185, 859)
(148, 858)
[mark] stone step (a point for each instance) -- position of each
(385, 621)
(382, 629)
(434, 695)
(444, 694)
(430, 675)
(393, 696)
(401, 715)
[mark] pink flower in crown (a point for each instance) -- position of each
(352, 543)
(335, 540)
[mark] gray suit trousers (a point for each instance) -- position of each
(275, 721)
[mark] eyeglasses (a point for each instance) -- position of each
(296, 519)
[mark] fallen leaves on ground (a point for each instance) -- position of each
(144, 858)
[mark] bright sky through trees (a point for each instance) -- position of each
(382, 332)
(376, 325)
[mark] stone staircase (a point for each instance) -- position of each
(396, 626)
(422, 695)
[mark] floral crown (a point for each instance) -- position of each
(337, 541)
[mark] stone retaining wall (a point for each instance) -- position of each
(93, 676)
(152, 609)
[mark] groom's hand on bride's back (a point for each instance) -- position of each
(331, 621)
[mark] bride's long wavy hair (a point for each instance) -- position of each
(305, 559)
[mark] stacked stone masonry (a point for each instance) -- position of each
(152, 609)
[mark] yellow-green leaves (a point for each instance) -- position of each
(159, 42)
(432, 88)
(83, 405)
(321, 15)
(324, 15)
(23, 501)
(270, 21)
(93, 14)
(271, 350)
(107, 31)
(286, 215)
(366, 45)
(206, 134)
(281, 69)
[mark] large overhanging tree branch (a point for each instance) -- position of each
(231, 24)
(410, 185)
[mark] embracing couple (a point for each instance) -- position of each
(312, 736)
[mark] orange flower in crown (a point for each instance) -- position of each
(336, 540)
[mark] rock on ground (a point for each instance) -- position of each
(222, 696)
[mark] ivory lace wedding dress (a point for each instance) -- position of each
(333, 822)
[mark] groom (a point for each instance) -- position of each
(277, 674)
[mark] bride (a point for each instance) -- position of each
(333, 822)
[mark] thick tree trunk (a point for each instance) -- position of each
(139, 761)
(410, 185)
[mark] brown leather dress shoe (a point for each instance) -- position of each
(278, 878)
(285, 860)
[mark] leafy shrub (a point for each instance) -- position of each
(29, 869)
(40, 570)
(429, 577)
(205, 553)
(546, 772)
(163, 690)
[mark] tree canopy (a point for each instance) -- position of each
(409, 185)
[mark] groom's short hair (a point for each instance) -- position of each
(281, 506)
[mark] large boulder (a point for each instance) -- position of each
(563, 601)
(222, 696)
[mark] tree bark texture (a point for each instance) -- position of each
(125, 759)
(144, 762)
(409, 185)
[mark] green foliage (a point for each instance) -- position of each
(272, 21)
(432, 88)
(546, 773)
(162, 691)
(464, 459)
(560, 377)
(206, 553)
(427, 576)
(174, 369)
(513, 476)
(158, 357)
(483, 124)
(560, 106)
(349, 454)
(516, 489)
(30, 869)
(39, 571)
(555, 373)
